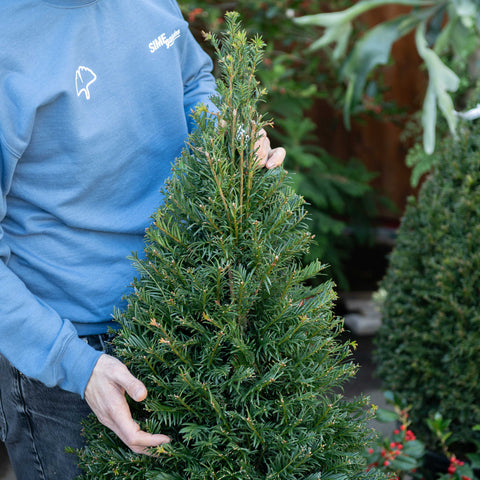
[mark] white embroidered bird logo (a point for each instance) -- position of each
(84, 77)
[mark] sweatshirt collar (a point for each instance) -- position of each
(70, 3)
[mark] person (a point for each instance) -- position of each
(95, 103)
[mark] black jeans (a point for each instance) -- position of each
(37, 423)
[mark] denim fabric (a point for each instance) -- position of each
(37, 423)
(3, 421)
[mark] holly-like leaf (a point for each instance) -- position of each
(384, 415)
(441, 81)
(414, 448)
(372, 50)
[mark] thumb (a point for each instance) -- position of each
(138, 392)
(134, 387)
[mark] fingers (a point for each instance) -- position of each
(105, 394)
(262, 148)
(118, 418)
(129, 432)
(276, 157)
(265, 155)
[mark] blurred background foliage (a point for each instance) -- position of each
(446, 35)
(354, 89)
(343, 206)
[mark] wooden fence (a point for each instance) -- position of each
(377, 142)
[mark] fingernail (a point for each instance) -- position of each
(139, 393)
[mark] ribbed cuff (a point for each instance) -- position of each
(77, 364)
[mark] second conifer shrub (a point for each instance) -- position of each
(241, 359)
(428, 349)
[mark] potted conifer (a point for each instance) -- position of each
(428, 349)
(241, 359)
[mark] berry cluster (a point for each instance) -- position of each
(454, 463)
(402, 446)
(453, 469)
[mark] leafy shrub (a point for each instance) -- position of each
(404, 457)
(428, 349)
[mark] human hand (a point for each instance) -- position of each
(268, 157)
(105, 394)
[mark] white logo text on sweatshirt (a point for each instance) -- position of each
(163, 41)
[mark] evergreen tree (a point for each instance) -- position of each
(428, 349)
(241, 359)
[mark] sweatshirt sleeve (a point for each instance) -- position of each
(199, 84)
(33, 337)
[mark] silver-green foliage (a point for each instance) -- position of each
(459, 20)
(428, 349)
(240, 357)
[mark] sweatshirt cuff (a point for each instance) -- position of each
(77, 363)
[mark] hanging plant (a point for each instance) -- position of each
(458, 20)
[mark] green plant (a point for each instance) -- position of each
(241, 359)
(399, 454)
(440, 26)
(457, 469)
(402, 456)
(338, 192)
(464, 64)
(428, 348)
(288, 72)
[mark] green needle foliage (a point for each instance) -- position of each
(429, 344)
(240, 358)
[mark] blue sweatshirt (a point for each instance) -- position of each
(95, 102)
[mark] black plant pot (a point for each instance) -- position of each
(434, 464)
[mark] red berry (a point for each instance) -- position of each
(409, 435)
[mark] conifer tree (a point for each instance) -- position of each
(241, 359)
(428, 349)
